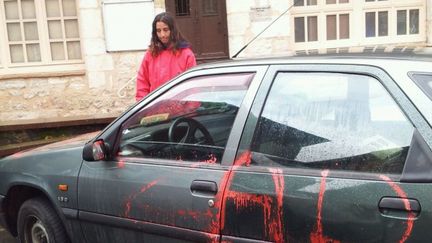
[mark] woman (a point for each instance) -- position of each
(169, 54)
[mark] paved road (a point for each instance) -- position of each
(5, 237)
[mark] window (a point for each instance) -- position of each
(190, 122)
(303, 2)
(333, 21)
(182, 7)
(305, 32)
(210, 7)
(331, 121)
(424, 81)
(63, 29)
(40, 32)
(407, 22)
(336, 1)
(375, 22)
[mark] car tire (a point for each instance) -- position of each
(38, 222)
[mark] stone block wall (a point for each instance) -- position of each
(103, 93)
(247, 18)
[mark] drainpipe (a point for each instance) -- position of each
(429, 23)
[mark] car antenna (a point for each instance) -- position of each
(282, 14)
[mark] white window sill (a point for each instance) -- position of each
(42, 71)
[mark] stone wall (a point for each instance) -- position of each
(247, 18)
(54, 98)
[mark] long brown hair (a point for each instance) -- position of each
(177, 41)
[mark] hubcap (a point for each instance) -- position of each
(36, 231)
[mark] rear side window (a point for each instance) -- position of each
(424, 81)
(331, 121)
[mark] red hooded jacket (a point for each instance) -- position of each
(155, 71)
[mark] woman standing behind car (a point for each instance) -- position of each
(169, 54)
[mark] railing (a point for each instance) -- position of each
(121, 92)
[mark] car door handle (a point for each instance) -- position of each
(204, 188)
(399, 204)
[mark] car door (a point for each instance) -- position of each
(330, 153)
(164, 182)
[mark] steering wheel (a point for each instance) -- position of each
(192, 127)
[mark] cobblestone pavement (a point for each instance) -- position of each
(5, 237)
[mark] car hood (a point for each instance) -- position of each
(45, 167)
(72, 143)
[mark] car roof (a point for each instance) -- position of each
(376, 59)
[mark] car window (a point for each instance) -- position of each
(424, 81)
(331, 121)
(190, 122)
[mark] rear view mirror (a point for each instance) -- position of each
(95, 151)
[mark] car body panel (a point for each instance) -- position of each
(138, 192)
(278, 206)
(43, 169)
(307, 205)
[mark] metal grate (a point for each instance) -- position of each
(182, 7)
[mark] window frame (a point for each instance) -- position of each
(387, 82)
(427, 90)
(46, 67)
(198, 85)
(338, 26)
(408, 21)
(112, 133)
(377, 21)
(306, 28)
(305, 3)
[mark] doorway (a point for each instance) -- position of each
(204, 24)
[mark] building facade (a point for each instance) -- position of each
(77, 59)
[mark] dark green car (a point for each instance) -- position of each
(274, 150)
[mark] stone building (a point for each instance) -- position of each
(77, 59)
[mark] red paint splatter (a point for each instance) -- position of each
(218, 221)
(279, 183)
(196, 215)
(128, 204)
(401, 193)
(272, 209)
(246, 200)
(220, 201)
(17, 155)
(243, 160)
(211, 160)
(121, 164)
(317, 236)
(211, 238)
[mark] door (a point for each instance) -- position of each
(324, 160)
(204, 24)
(166, 182)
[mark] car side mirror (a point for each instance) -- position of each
(95, 151)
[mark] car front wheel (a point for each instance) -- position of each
(39, 223)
